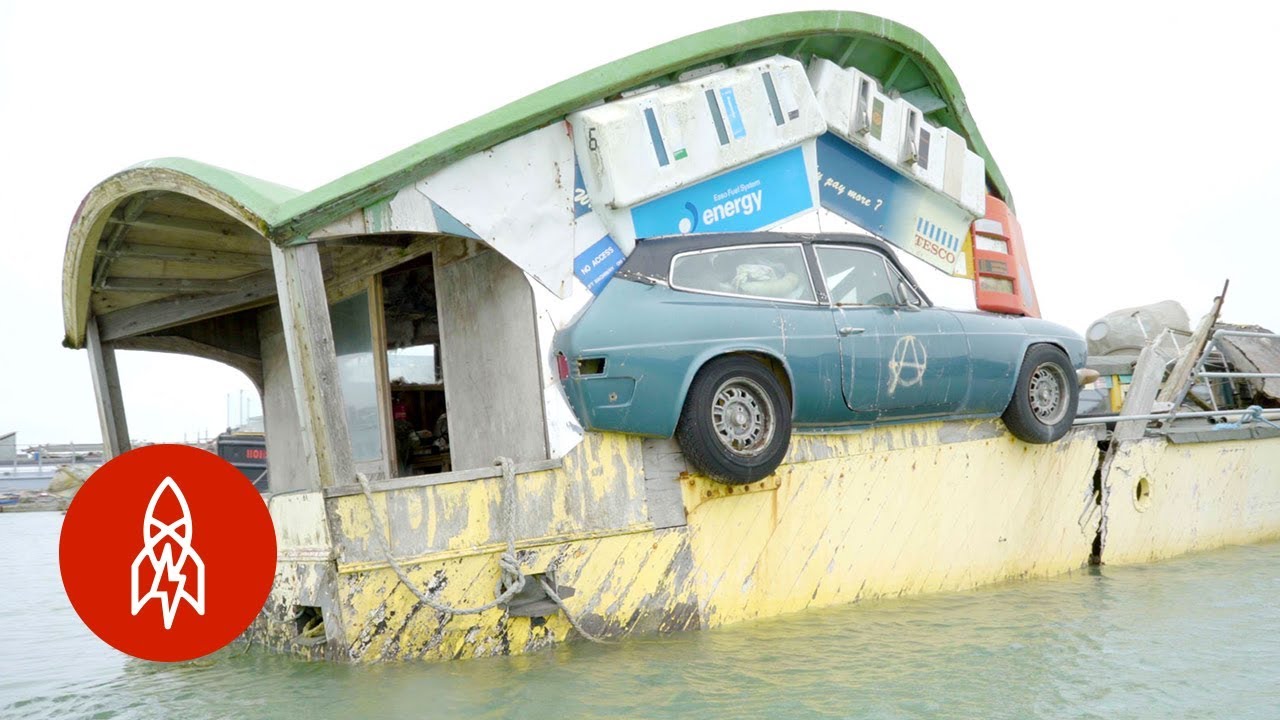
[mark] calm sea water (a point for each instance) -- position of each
(1187, 638)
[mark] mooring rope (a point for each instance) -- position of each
(1252, 414)
(512, 578)
(555, 598)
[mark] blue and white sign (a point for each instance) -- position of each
(595, 265)
(581, 200)
(865, 191)
(747, 198)
(734, 115)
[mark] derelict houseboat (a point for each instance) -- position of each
(401, 325)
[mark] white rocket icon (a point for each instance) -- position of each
(164, 567)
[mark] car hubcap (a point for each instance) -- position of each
(743, 417)
(1049, 393)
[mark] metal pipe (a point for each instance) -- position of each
(1272, 414)
(1236, 375)
(1244, 333)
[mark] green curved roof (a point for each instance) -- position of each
(259, 198)
(901, 58)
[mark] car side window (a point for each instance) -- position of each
(856, 277)
(910, 296)
(776, 272)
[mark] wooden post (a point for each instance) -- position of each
(313, 365)
(106, 388)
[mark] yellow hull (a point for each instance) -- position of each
(1196, 496)
(891, 511)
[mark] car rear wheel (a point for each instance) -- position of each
(736, 422)
(1044, 401)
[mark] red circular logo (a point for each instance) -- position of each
(167, 553)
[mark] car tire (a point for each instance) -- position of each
(736, 423)
(1044, 400)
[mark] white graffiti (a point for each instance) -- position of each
(907, 363)
(164, 567)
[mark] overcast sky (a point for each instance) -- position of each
(1139, 144)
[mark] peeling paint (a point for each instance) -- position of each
(1201, 496)
(882, 513)
(843, 519)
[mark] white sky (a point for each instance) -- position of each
(1138, 143)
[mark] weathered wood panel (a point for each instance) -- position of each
(286, 456)
(106, 389)
(156, 261)
(663, 466)
(194, 241)
(179, 345)
(304, 314)
(148, 317)
(489, 349)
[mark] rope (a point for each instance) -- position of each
(555, 598)
(1252, 414)
(512, 576)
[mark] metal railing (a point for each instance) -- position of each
(1100, 419)
(1207, 376)
(1200, 373)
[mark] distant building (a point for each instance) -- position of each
(9, 448)
(67, 451)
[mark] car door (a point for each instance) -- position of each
(927, 360)
(855, 282)
(762, 297)
(996, 346)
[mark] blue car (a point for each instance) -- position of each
(728, 342)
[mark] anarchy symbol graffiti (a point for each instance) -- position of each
(907, 363)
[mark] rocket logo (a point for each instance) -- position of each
(172, 579)
(168, 553)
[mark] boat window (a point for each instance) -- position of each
(855, 276)
(775, 272)
(353, 343)
(420, 426)
(413, 365)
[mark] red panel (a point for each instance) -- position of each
(1001, 277)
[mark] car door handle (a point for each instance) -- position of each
(847, 331)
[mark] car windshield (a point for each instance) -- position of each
(775, 271)
(856, 277)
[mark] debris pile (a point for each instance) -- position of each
(63, 486)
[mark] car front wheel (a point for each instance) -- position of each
(1044, 400)
(736, 422)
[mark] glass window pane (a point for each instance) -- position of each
(764, 272)
(353, 342)
(415, 365)
(856, 277)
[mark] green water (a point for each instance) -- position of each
(1187, 638)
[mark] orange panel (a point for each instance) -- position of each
(1001, 277)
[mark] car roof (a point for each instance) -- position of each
(706, 241)
(651, 260)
